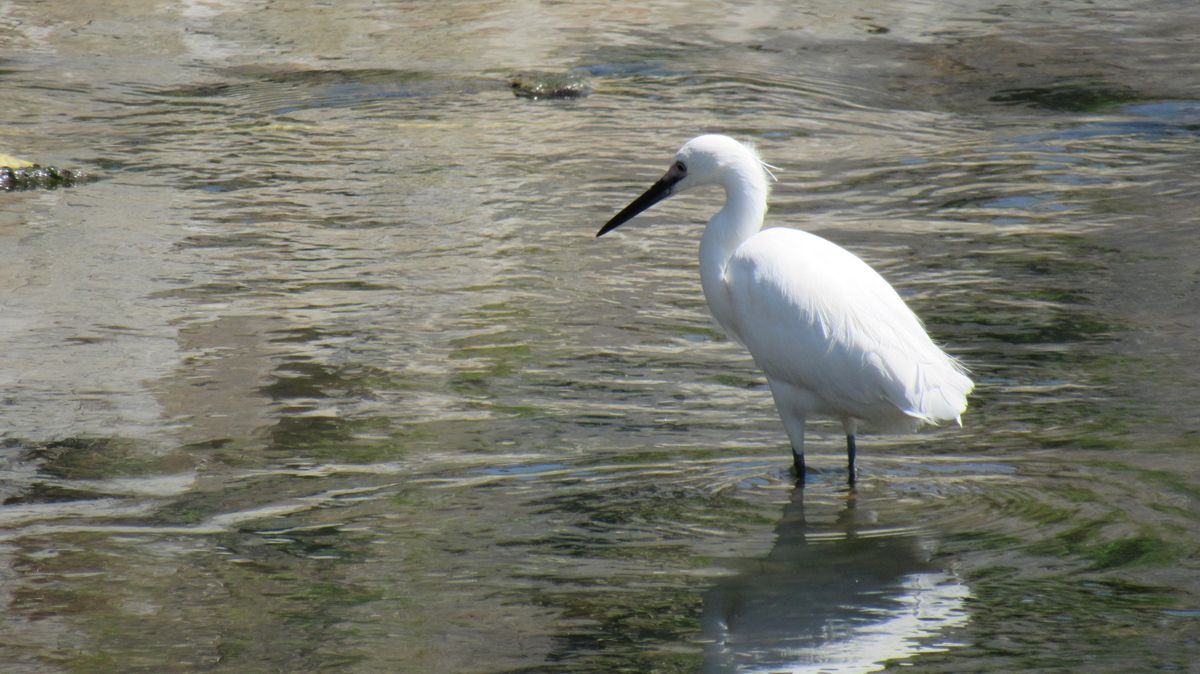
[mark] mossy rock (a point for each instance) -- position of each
(540, 85)
(19, 174)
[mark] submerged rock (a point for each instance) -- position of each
(18, 174)
(539, 85)
(38, 177)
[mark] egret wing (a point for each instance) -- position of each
(814, 315)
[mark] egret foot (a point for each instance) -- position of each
(798, 464)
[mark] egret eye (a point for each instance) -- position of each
(681, 167)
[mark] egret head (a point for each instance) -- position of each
(711, 159)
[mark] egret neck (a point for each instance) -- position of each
(741, 217)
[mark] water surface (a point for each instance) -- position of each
(327, 372)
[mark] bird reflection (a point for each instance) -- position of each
(841, 597)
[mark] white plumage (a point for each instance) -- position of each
(831, 335)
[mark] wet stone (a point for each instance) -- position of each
(38, 177)
(540, 85)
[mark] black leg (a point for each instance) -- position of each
(798, 464)
(851, 452)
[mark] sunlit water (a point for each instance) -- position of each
(327, 372)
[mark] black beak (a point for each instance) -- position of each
(660, 190)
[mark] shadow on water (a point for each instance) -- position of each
(842, 597)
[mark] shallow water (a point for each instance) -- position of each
(327, 372)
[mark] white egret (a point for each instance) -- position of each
(831, 335)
